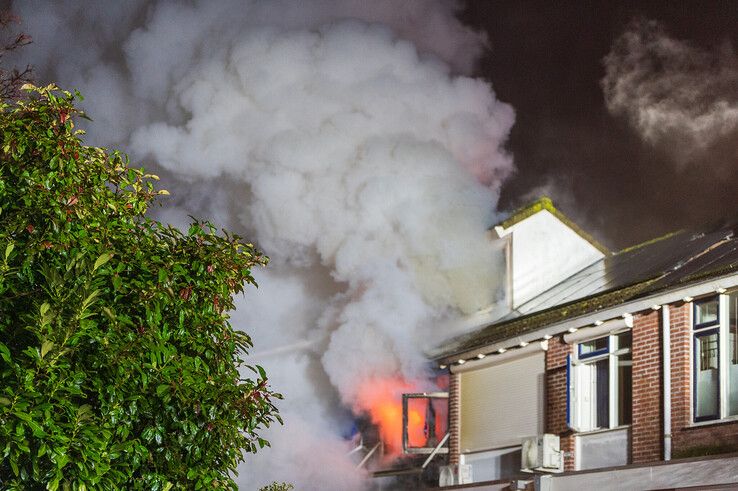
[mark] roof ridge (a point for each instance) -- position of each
(523, 212)
(649, 242)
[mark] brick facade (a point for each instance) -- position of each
(681, 373)
(688, 439)
(556, 393)
(646, 437)
(646, 428)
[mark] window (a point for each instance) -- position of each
(425, 422)
(601, 383)
(715, 351)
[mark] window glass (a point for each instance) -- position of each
(625, 389)
(602, 391)
(706, 312)
(589, 347)
(707, 381)
(733, 354)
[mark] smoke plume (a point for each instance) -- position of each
(340, 137)
(679, 97)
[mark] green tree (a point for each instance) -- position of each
(118, 366)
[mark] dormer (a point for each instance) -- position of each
(543, 247)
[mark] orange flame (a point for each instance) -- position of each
(383, 400)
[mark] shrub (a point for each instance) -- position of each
(118, 366)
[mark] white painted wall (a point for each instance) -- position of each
(676, 474)
(494, 464)
(607, 448)
(544, 251)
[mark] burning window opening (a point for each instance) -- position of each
(397, 428)
(425, 423)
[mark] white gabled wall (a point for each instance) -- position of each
(543, 251)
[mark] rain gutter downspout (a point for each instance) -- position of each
(666, 338)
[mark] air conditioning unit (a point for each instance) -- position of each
(451, 475)
(542, 453)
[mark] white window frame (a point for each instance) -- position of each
(584, 406)
(723, 358)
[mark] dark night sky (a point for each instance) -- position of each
(545, 59)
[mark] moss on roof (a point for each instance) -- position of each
(649, 242)
(515, 327)
(545, 203)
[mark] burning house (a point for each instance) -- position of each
(610, 369)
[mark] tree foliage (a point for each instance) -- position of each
(118, 366)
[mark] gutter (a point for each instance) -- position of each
(666, 350)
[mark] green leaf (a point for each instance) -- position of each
(53, 485)
(8, 249)
(46, 346)
(103, 259)
(90, 298)
(4, 353)
(108, 313)
(36, 428)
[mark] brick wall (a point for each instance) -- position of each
(556, 398)
(454, 416)
(688, 440)
(681, 370)
(647, 427)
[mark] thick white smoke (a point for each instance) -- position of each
(335, 135)
(677, 96)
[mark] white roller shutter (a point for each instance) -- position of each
(502, 404)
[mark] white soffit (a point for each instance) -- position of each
(498, 359)
(609, 327)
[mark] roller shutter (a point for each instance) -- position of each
(502, 404)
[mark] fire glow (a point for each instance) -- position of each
(426, 419)
(382, 399)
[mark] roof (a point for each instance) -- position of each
(545, 203)
(666, 263)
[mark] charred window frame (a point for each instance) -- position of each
(435, 418)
